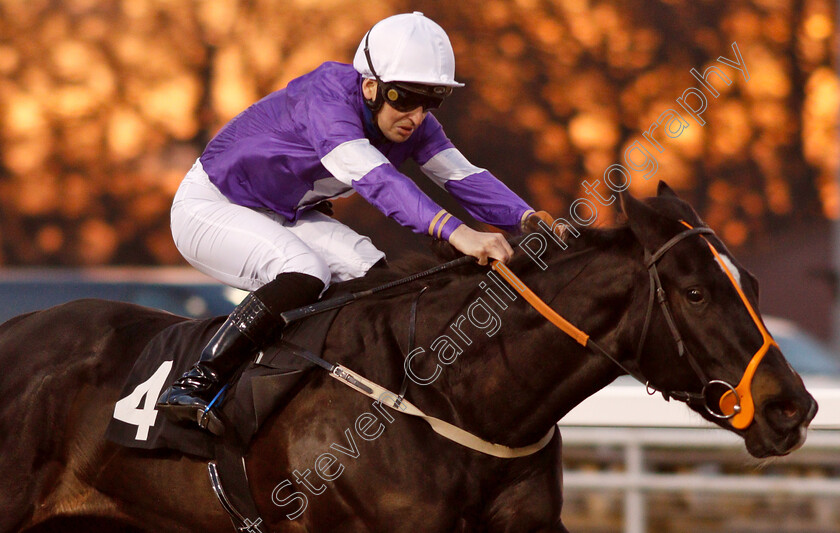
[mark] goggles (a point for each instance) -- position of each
(406, 97)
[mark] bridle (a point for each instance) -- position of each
(657, 294)
(736, 403)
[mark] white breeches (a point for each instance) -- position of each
(246, 248)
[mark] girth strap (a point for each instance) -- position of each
(235, 494)
(412, 334)
(240, 522)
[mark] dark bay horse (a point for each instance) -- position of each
(330, 460)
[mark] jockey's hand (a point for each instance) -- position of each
(481, 245)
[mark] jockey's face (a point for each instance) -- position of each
(396, 126)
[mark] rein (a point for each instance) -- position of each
(736, 403)
(657, 294)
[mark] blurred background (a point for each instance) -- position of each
(105, 104)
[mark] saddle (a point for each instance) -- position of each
(263, 386)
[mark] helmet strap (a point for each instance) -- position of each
(367, 56)
(376, 104)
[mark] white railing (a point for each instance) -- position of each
(626, 418)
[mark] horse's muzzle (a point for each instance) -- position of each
(783, 427)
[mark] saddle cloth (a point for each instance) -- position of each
(261, 389)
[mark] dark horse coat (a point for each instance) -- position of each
(330, 460)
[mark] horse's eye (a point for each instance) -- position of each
(695, 295)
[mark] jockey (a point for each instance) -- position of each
(248, 212)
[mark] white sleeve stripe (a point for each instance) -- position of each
(448, 165)
(352, 160)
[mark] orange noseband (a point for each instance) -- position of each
(741, 409)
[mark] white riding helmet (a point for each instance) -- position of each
(407, 48)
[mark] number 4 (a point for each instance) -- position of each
(128, 409)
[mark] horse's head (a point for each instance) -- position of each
(728, 368)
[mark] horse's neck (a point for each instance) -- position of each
(513, 386)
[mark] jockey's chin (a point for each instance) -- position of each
(397, 126)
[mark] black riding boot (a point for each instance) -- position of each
(251, 325)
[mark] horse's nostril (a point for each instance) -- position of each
(786, 415)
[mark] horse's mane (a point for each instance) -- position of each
(441, 252)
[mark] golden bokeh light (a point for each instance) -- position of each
(104, 104)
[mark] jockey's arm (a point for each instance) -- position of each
(484, 197)
(360, 165)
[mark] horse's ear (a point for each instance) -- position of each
(670, 204)
(651, 228)
(664, 190)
